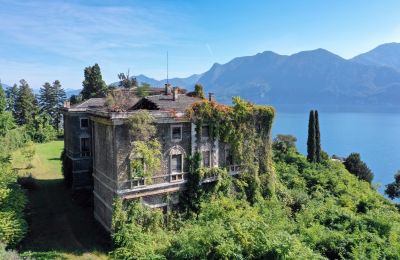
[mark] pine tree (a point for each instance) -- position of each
(47, 99)
(26, 104)
(311, 145)
(318, 153)
(3, 100)
(60, 98)
(12, 93)
(93, 85)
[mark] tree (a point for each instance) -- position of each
(3, 99)
(198, 89)
(47, 99)
(311, 144)
(12, 94)
(393, 189)
(126, 81)
(357, 167)
(60, 97)
(318, 151)
(282, 143)
(93, 85)
(6, 118)
(143, 90)
(75, 99)
(26, 104)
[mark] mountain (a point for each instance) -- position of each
(308, 79)
(384, 55)
(188, 82)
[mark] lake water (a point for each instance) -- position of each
(376, 136)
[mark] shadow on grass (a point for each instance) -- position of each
(54, 159)
(62, 222)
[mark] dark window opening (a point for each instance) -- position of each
(84, 123)
(206, 159)
(176, 133)
(205, 131)
(176, 163)
(85, 147)
(228, 157)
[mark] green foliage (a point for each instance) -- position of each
(143, 90)
(141, 126)
(93, 85)
(3, 99)
(359, 168)
(199, 91)
(40, 129)
(51, 100)
(138, 232)
(8, 254)
(311, 145)
(145, 158)
(246, 128)
(393, 189)
(75, 99)
(126, 81)
(13, 226)
(12, 94)
(320, 211)
(25, 104)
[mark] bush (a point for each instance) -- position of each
(359, 168)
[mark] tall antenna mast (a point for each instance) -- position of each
(167, 68)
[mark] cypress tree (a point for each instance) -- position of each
(311, 145)
(93, 85)
(317, 138)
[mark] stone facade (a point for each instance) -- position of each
(106, 166)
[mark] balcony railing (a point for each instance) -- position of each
(140, 182)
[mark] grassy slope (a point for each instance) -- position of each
(57, 222)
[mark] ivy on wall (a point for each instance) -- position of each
(145, 156)
(246, 128)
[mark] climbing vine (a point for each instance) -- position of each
(145, 156)
(246, 128)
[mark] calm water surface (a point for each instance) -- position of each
(375, 136)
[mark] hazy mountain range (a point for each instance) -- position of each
(308, 79)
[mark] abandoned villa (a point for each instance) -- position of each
(98, 150)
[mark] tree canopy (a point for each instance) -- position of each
(93, 84)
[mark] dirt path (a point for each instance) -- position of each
(59, 222)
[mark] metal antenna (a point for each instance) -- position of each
(167, 68)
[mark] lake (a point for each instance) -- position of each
(376, 136)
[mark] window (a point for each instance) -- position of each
(228, 157)
(176, 163)
(176, 133)
(85, 147)
(205, 131)
(176, 167)
(206, 159)
(84, 123)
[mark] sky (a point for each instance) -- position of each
(41, 41)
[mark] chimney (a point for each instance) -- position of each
(67, 104)
(175, 93)
(167, 89)
(211, 96)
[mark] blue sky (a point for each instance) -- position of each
(46, 40)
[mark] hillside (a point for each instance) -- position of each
(308, 79)
(387, 55)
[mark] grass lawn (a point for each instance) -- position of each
(60, 225)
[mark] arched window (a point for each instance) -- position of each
(176, 163)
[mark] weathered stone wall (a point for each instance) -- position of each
(104, 178)
(81, 167)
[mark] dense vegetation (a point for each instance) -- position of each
(316, 210)
(24, 118)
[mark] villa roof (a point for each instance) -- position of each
(166, 102)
